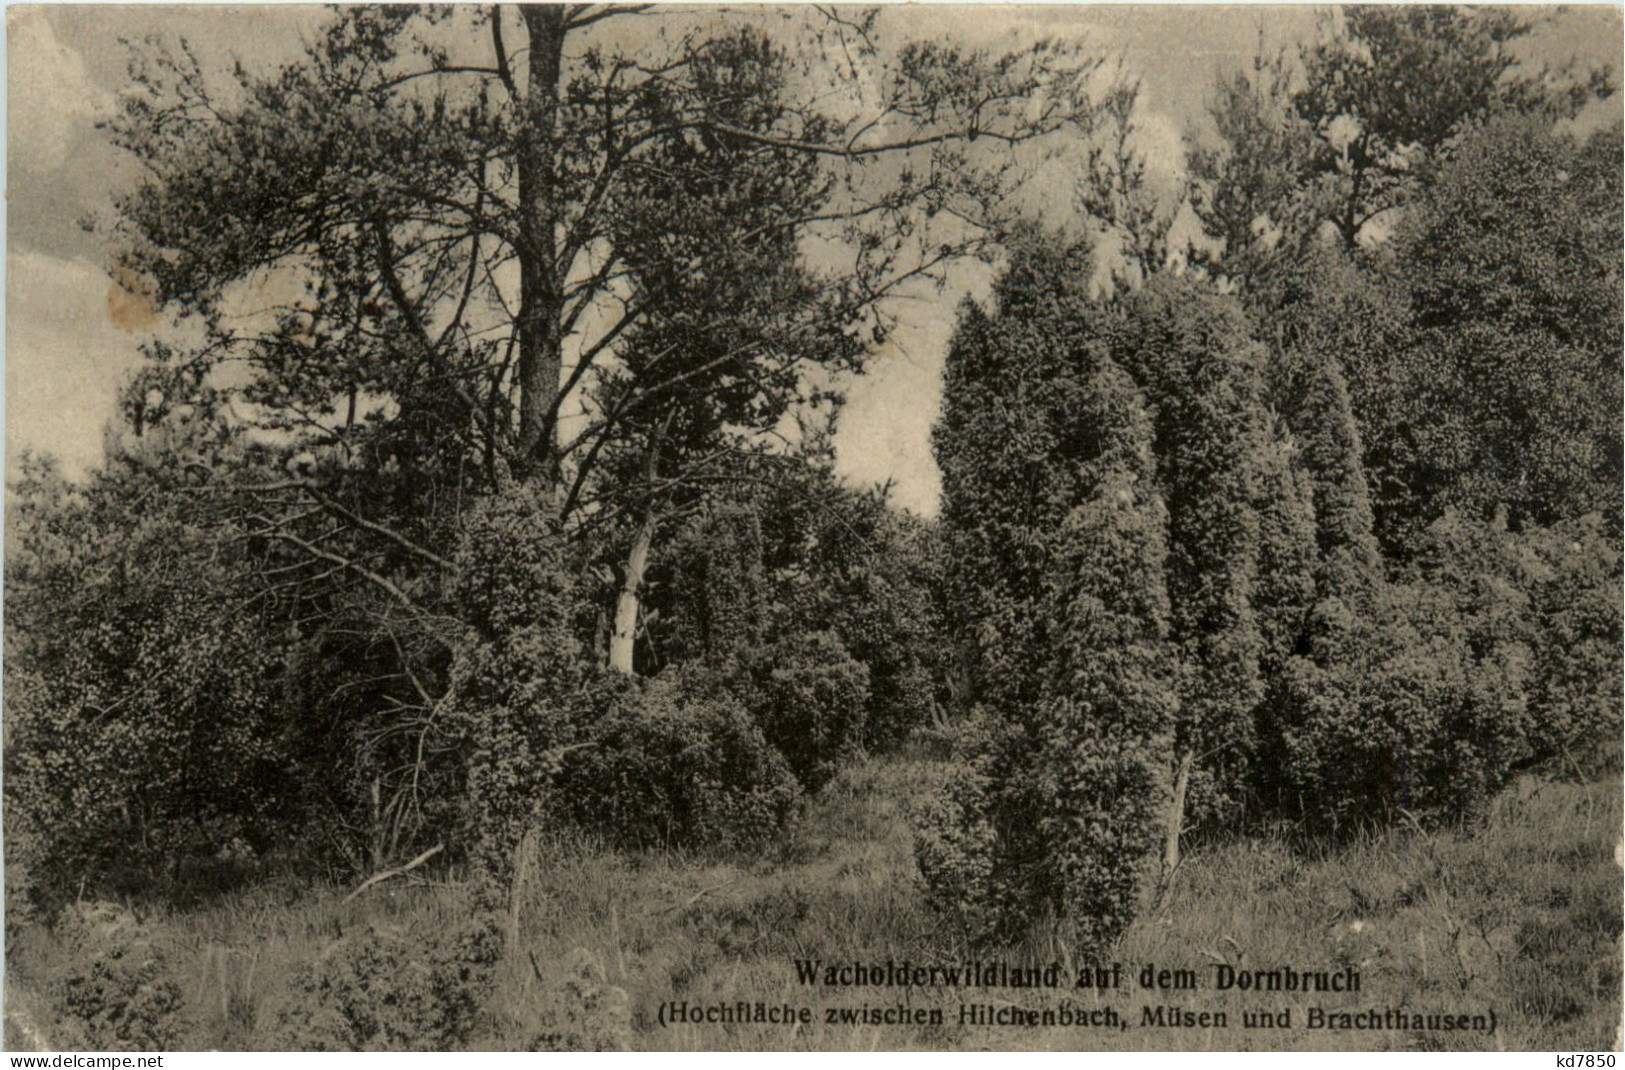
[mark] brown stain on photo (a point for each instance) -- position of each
(130, 305)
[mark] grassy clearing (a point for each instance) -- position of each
(1520, 915)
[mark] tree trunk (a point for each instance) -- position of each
(377, 825)
(626, 607)
(624, 636)
(540, 295)
(1176, 825)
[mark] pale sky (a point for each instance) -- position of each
(67, 345)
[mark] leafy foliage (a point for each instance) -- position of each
(812, 704)
(1327, 521)
(119, 992)
(1005, 383)
(1432, 698)
(522, 680)
(1202, 378)
(976, 821)
(143, 709)
(1051, 809)
(1106, 740)
(1385, 88)
(375, 464)
(1515, 302)
(806, 574)
(1571, 574)
(1248, 182)
(849, 563)
(678, 760)
(719, 602)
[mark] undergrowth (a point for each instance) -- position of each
(1520, 913)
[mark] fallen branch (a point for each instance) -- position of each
(388, 874)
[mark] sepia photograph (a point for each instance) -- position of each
(925, 527)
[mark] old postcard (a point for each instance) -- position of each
(655, 527)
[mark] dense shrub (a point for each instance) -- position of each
(581, 1012)
(1571, 575)
(676, 760)
(1054, 814)
(976, 846)
(522, 680)
(811, 699)
(1201, 374)
(1313, 679)
(715, 587)
(871, 574)
(1106, 745)
(1058, 819)
(552, 739)
(142, 703)
(1284, 592)
(1315, 670)
(986, 858)
(775, 574)
(1424, 727)
(115, 990)
(1418, 701)
(1474, 342)
(881, 603)
(390, 990)
(1007, 443)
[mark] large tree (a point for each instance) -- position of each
(1387, 89)
(493, 225)
(1248, 177)
(470, 211)
(1508, 389)
(1192, 353)
(532, 280)
(1009, 381)
(1058, 537)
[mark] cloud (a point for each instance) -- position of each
(885, 430)
(65, 359)
(52, 97)
(1160, 140)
